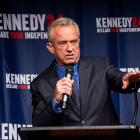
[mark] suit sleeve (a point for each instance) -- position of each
(114, 76)
(43, 113)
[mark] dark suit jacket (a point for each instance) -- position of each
(97, 78)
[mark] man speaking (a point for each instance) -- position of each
(76, 91)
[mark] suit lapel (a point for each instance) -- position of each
(52, 76)
(84, 76)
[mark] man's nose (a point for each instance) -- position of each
(69, 46)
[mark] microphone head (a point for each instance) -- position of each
(69, 70)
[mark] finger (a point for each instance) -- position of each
(125, 85)
(67, 90)
(66, 82)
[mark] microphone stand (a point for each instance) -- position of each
(134, 119)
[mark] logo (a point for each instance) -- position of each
(19, 81)
(117, 24)
(9, 131)
(129, 69)
(25, 26)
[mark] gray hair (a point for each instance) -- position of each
(64, 21)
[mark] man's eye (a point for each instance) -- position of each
(73, 41)
(62, 43)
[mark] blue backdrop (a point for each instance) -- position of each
(109, 28)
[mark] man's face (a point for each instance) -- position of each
(65, 46)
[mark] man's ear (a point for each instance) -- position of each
(50, 47)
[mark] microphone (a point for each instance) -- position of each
(69, 74)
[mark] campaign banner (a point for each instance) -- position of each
(109, 29)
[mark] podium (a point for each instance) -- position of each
(80, 132)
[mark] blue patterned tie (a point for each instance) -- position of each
(75, 95)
